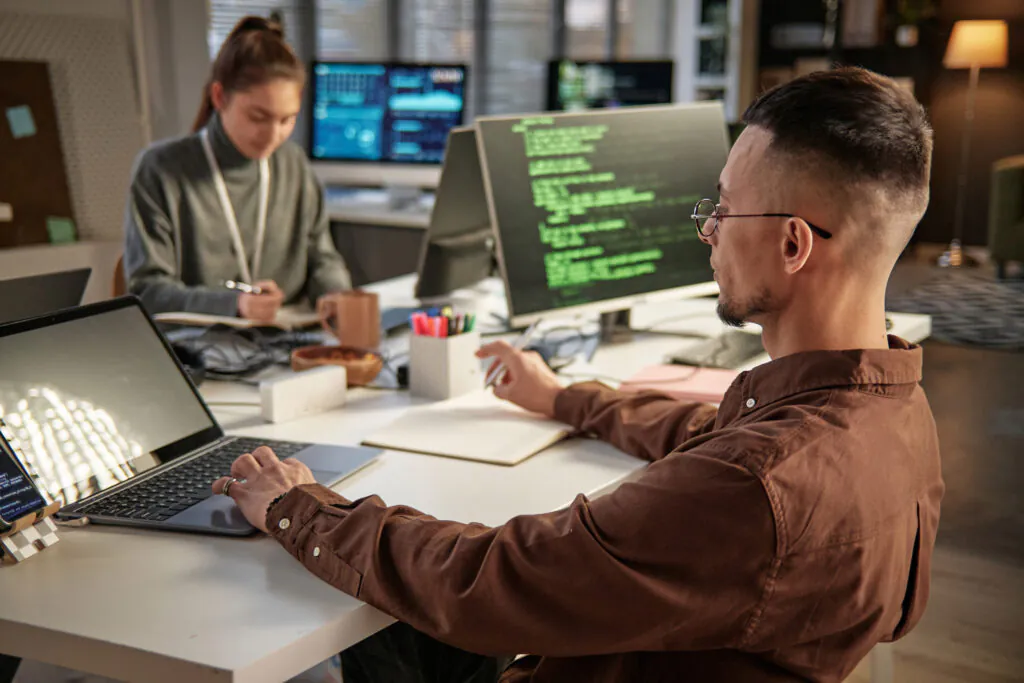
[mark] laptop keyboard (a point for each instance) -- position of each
(166, 494)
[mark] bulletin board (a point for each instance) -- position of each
(33, 179)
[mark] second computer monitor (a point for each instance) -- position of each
(575, 86)
(459, 246)
(592, 210)
(385, 113)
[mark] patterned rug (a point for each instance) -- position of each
(970, 309)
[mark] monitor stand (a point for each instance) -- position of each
(615, 327)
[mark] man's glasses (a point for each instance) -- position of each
(706, 215)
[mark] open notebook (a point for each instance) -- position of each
(476, 426)
(288, 318)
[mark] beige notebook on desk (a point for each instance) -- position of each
(288, 318)
(476, 426)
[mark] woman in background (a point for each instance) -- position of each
(234, 201)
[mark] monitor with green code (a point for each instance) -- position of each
(592, 210)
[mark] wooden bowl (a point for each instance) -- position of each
(362, 366)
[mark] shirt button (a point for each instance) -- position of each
(751, 402)
(284, 524)
(316, 551)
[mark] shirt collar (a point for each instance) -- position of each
(813, 370)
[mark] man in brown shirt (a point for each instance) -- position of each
(777, 538)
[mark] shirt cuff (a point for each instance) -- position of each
(572, 405)
(286, 520)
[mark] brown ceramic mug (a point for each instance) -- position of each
(353, 317)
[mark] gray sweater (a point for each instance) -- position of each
(178, 249)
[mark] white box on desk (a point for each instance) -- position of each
(444, 367)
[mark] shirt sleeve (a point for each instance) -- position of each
(152, 253)
(326, 267)
(676, 560)
(647, 424)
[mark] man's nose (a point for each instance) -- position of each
(706, 239)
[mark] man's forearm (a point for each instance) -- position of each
(647, 425)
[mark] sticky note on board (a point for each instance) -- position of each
(21, 121)
(61, 230)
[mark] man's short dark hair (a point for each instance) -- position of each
(864, 125)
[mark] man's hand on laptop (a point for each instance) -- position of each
(258, 478)
(528, 381)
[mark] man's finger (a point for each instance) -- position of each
(245, 467)
(498, 349)
(265, 457)
(502, 391)
(236, 489)
(268, 286)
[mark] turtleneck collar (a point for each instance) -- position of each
(227, 154)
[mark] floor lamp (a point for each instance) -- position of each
(973, 45)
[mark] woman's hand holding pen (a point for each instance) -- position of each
(527, 381)
(261, 307)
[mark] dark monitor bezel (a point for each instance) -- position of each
(311, 120)
(520, 319)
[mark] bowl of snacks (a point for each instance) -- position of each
(362, 365)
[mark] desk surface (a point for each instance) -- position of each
(373, 207)
(161, 606)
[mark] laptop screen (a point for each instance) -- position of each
(93, 397)
(28, 297)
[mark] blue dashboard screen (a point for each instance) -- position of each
(385, 112)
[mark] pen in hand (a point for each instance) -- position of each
(498, 371)
(243, 287)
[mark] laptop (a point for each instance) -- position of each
(100, 412)
(28, 297)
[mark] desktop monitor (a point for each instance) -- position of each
(458, 250)
(591, 211)
(371, 122)
(575, 86)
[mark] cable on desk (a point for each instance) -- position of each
(236, 354)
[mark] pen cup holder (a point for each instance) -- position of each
(443, 368)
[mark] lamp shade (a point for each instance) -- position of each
(977, 44)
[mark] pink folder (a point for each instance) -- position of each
(703, 385)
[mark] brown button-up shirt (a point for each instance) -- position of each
(775, 539)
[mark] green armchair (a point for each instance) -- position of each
(1006, 213)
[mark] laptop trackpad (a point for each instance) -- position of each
(331, 464)
(217, 513)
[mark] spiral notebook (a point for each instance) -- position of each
(476, 426)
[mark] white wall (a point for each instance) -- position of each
(177, 60)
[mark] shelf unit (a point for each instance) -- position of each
(716, 52)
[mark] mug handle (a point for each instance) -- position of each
(326, 311)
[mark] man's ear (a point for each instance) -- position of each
(798, 240)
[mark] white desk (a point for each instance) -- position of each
(165, 607)
(372, 207)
